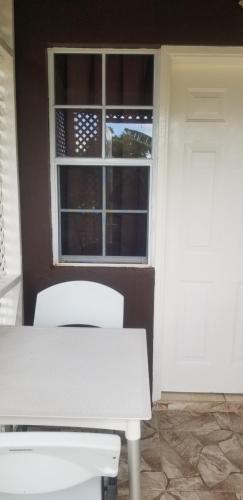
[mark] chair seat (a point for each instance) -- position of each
(57, 465)
(88, 490)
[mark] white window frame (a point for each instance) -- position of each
(102, 161)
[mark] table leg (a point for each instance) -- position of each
(133, 445)
(134, 468)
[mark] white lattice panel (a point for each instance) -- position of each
(6, 15)
(9, 307)
(10, 252)
(2, 153)
(86, 128)
(8, 165)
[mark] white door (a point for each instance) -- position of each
(203, 309)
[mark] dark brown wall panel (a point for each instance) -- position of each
(43, 23)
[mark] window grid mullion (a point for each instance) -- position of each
(81, 210)
(103, 104)
(98, 106)
(92, 161)
(103, 154)
(59, 213)
(104, 211)
(100, 211)
(78, 106)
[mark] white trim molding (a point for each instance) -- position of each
(160, 193)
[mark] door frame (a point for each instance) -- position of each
(169, 56)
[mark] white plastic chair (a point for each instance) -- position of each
(57, 466)
(79, 302)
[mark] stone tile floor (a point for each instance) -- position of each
(190, 451)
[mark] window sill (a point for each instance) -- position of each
(100, 264)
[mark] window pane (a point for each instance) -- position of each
(126, 235)
(80, 187)
(128, 134)
(81, 234)
(127, 188)
(78, 132)
(129, 80)
(78, 79)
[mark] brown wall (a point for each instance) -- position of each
(43, 23)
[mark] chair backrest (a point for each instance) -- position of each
(43, 462)
(79, 302)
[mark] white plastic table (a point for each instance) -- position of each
(77, 377)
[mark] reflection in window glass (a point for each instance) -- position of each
(126, 234)
(81, 234)
(80, 187)
(127, 188)
(129, 134)
(78, 132)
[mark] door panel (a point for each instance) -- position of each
(203, 318)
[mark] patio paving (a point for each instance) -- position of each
(190, 451)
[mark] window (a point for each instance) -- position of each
(101, 121)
